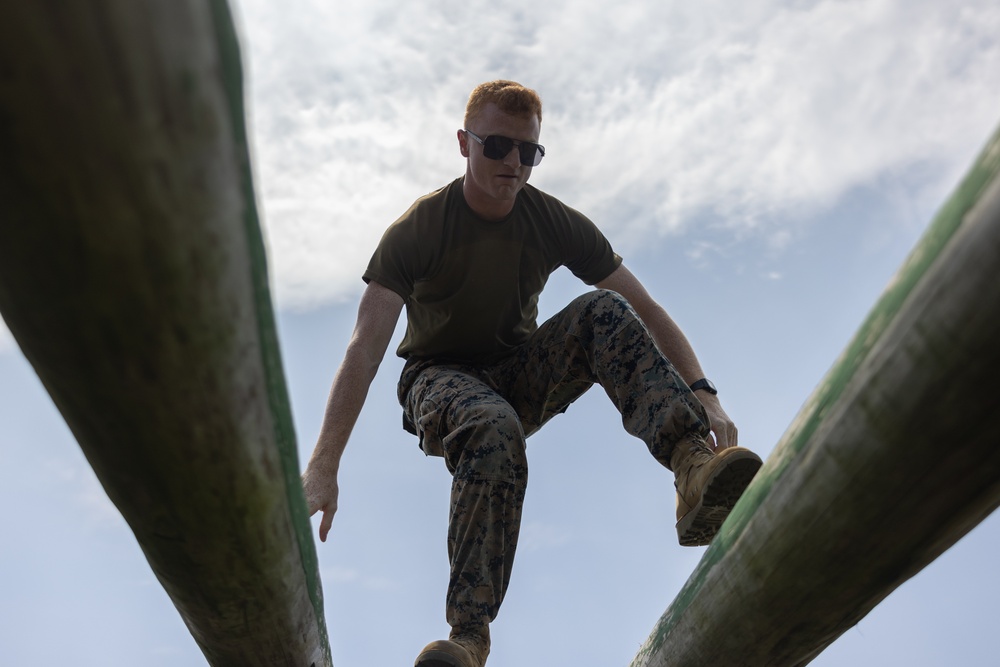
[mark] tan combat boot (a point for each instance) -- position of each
(463, 649)
(708, 485)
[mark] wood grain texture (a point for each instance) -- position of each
(132, 276)
(892, 460)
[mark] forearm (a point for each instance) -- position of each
(343, 407)
(672, 342)
(377, 315)
(668, 337)
(674, 345)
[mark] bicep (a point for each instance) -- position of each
(378, 313)
(625, 283)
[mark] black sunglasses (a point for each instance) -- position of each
(496, 147)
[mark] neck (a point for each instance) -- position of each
(486, 207)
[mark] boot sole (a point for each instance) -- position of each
(699, 526)
(439, 654)
(437, 659)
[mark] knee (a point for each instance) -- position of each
(602, 314)
(490, 445)
(602, 299)
(605, 305)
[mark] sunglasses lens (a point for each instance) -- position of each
(531, 154)
(496, 147)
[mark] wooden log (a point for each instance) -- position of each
(133, 277)
(893, 459)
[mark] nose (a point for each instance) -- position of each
(513, 157)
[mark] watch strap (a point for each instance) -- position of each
(705, 384)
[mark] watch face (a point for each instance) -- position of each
(705, 384)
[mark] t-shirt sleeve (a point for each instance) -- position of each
(588, 253)
(392, 265)
(410, 246)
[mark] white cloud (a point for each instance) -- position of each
(790, 113)
(756, 115)
(751, 117)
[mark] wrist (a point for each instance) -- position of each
(326, 459)
(704, 385)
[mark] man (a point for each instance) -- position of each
(469, 262)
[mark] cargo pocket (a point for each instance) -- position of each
(425, 414)
(429, 428)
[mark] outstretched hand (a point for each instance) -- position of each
(321, 491)
(723, 429)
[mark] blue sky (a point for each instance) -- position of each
(764, 167)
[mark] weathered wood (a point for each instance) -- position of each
(894, 458)
(132, 275)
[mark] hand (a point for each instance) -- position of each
(321, 491)
(721, 425)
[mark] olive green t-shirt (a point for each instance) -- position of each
(470, 285)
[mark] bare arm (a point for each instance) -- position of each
(674, 345)
(377, 315)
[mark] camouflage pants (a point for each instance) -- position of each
(477, 418)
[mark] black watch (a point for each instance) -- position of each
(705, 384)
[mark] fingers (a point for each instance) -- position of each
(721, 441)
(319, 501)
(719, 436)
(324, 526)
(710, 441)
(722, 427)
(722, 437)
(327, 521)
(726, 435)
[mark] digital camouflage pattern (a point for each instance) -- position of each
(477, 418)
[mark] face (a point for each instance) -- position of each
(491, 186)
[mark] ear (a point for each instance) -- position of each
(463, 143)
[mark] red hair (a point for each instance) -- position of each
(512, 98)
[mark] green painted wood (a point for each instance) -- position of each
(133, 277)
(891, 461)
